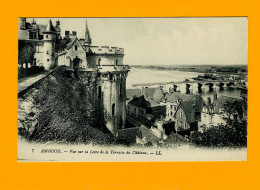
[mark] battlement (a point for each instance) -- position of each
(106, 50)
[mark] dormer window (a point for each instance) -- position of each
(32, 35)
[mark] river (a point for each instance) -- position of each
(138, 76)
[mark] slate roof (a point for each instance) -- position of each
(187, 108)
(150, 137)
(149, 92)
(42, 28)
(174, 139)
(140, 102)
(49, 27)
(23, 34)
(143, 102)
(73, 40)
(182, 97)
(87, 34)
(130, 134)
(130, 93)
(158, 95)
(190, 107)
(152, 102)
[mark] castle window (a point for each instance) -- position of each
(99, 61)
(76, 48)
(99, 92)
(47, 36)
(48, 60)
(121, 89)
(34, 61)
(181, 115)
(113, 109)
(116, 62)
(47, 52)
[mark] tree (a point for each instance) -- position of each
(233, 109)
(26, 51)
(233, 134)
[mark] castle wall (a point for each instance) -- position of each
(93, 60)
(113, 92)
(106, 50)
(63, 59)
(39, 58)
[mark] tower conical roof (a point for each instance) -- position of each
(87, 35)
(50, 27)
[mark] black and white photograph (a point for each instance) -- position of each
(132, 89)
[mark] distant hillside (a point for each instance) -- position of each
(197, 68)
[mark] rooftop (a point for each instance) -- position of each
(183, 97)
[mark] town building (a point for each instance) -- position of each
(173, 100)
(214, 113)
(145, 110)
(184, 110)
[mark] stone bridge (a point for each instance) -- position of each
(197, 86)
(194, 86)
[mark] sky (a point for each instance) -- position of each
(167, 41)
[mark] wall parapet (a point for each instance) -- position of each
(106, 50)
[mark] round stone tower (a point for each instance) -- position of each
(49, 37)
(110, 85)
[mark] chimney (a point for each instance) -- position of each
(74, 33)
(67, 33)
(58, 23)
(23, 23)
(209, 100)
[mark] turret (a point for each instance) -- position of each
(57, 29)
(49, 37)
(87, 36)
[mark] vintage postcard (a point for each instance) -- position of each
(132, 89)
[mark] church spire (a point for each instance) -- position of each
(87, 35)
